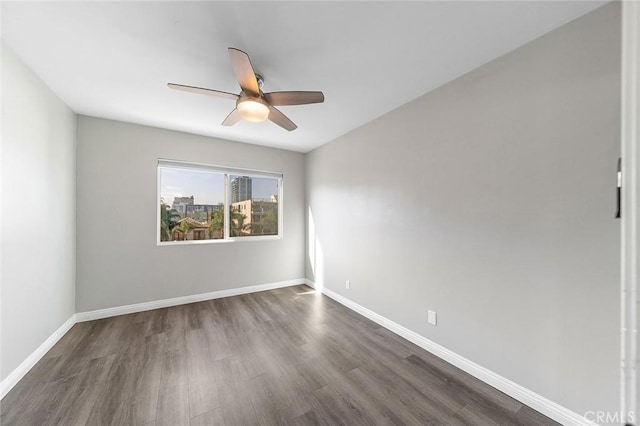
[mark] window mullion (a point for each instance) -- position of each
(227, 206)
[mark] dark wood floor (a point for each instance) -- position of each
(286, 356)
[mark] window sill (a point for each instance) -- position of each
(219, 241)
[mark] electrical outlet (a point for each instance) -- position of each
(432, 318)
(347, 284)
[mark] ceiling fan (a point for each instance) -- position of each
(252, 104)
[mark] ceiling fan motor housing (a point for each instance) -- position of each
(260, 80)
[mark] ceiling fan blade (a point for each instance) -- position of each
(232, 118)
(281, 120)
(294, 98)
(203, 91)
(243, 70)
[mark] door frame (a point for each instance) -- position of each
(630, 234)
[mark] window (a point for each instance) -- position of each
(254, 206)
(201, 203)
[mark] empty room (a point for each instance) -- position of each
(333, 213)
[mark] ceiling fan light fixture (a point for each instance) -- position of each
(252, 104)
(253, 110)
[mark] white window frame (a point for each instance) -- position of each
(226, 171)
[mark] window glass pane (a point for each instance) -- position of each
(191, 205)
(254, 206)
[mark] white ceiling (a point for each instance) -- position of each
(114, 59)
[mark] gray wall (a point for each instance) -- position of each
(490, 200)
(38, 212)
(119, 262)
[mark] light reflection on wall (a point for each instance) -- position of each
(316, 255)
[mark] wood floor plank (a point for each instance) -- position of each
(41, 410)
(465, 388)
(445, 370)
(80, 400)
(409, 407)
(173, 398)
(470, 416)
(19, 398)
(203, 392)
(235, 402)
(528, 416)
(210, 418)
(219, 345)
(283, 386)
(285, 356)
(308, 418)
(145, 387)
(111, 404)
(78, 336)
(345, 408)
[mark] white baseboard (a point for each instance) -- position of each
(14, 377)
(537, 402)
(164, 303)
